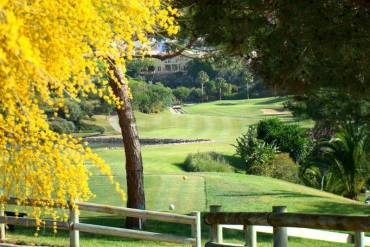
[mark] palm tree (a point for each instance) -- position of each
(221, 83)
(203, 79)
(344, 159)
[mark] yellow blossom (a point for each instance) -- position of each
(48, 50)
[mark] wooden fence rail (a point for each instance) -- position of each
(75, 227)
(282, 224)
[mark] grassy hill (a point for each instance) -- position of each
(220, 121)
(235, 192)
(164, 178)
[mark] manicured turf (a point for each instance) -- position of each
(166, 183)
(220, 121)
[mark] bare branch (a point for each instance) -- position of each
(176, 52)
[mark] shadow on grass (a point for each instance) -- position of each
(235, 162)
(275, 193)
(271, 101)
(226, 104)
(339, 208)
(231, 160)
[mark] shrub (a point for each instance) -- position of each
(206, 162)
(261, 158)
(195, 95)
(150, 98)
(181, 93)
(61, 125)
(75, 112)
(291, 139)
(283, 167)
(88, 106)
(91, 128)
(256, 153)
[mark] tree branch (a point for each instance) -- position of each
(362, 3)
(176, 52)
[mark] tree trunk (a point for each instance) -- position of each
(202, 91)
(134, 164)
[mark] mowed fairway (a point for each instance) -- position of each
(220, 121)
(167, 183)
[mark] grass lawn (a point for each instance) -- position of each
(221, 122)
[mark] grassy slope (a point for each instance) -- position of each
(165, 183)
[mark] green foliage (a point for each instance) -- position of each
(150, 98)
(181, 93)
(74, 113)
(91, 128)
(262, 158)
(136, 66)
(62, 126)
(283, 167)
(298, 45)
(291, 139)
(196, 65)
(89, 106)
(103, 108)
(344, 160)
(331, 108)
(257, 154)
(195, 95)
(206, 162)
(203, 77)
(205, 71)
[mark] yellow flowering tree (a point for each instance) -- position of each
(50, 50)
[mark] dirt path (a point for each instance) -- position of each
(113, 120)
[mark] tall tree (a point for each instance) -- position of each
(52, 50)
(134, 162)
(221, 84)
(296, 45)
(248, 78)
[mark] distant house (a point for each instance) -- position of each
(171, 65)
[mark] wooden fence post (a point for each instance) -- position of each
(280, 233)
(359, 239)
(2, 226)
(250, 235)
(74, 235)
(216, 230)
(196, 230)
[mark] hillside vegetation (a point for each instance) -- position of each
(167, 183)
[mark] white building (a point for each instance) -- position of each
(172, 65)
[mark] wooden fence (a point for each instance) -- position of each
(283, 224)
(74, 226)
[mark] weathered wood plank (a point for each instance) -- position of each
(24, 221)
(280, 234)
(237, 218)
(144, 214)
(359, 239)
(319, 221)
(215, 231)
(250, 236)
(128, 233)
(74, 235)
